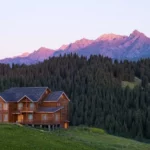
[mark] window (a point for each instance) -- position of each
(30, 116)
(20, 106)
(0, 117)
(1, 106)
(31, 106)
(5, 106)
(44, 117)
(5, 117)
(57, 117)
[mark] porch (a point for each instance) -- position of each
(37, 119)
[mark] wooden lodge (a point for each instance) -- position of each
(34, 106)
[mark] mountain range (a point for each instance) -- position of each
(132, 47)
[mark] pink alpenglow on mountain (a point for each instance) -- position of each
(132, 47)
(109, 37)
(63, 47)
(41, 54)
(30, 58)
(25, 54)
(79, 44)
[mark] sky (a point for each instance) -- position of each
(27, 25)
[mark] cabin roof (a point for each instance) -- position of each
(54, 96)
(7, 96)
(50, 110)
(15, 94)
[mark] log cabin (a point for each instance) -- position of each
(34, 106)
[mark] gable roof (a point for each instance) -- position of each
(54, 96)
(7, 97)
(17, 93)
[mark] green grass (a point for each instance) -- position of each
(131, 85)
(13, 137)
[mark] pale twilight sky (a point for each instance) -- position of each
(26, 25)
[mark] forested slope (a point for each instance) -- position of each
(94, 87)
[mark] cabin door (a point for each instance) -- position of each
(66, 125)
(20, 118)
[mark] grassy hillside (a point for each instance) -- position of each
(76, 138)
(131, 85)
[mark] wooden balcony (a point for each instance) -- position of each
(27, 109)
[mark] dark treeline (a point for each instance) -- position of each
(94, 87)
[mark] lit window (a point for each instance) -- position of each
(20, 106)
(44, 117)
(30, 116)
(5, 106)
(5, 117)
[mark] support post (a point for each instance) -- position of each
(49, 128)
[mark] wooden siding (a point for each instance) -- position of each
(52, 118)
(4, 112)
(44, 96)
(26, 105)
(39, 118)
(12, 109)
(49, 104)
(64, 112)
(24, 100)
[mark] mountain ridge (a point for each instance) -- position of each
(132, 47)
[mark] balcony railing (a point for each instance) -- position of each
(26, 109)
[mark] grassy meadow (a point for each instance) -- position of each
(13, 137)
(132, 85)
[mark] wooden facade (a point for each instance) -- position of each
(51, 109)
